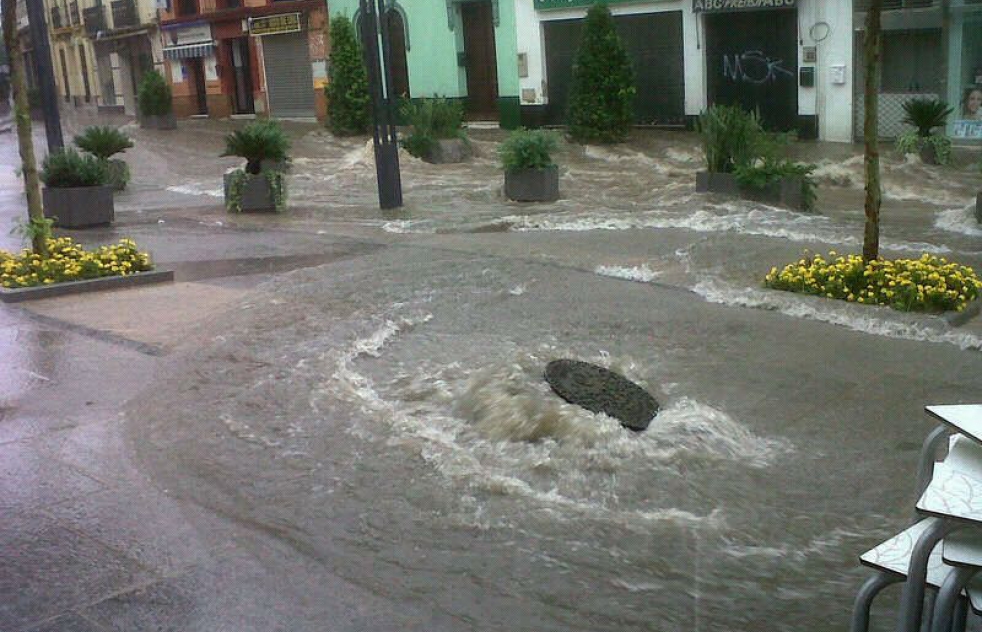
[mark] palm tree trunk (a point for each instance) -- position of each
(872, 47)
(22, 114)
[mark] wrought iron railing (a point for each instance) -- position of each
(124, 14)
(95, 20)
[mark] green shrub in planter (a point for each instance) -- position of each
(254, 188)
(104, 143)
(731, 138)
(431, 120)
(925, 115)
(256, 142)
(769, 173)
(601, 96)
(154, 95)
(530, 173)
(68, 168)
(75, 195)
(525, 149)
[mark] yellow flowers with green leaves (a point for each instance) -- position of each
(927, 284)
(68, 261)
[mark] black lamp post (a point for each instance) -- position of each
(46, 76)
(383, 102)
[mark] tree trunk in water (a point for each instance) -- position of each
(22, 115)
(871, 62)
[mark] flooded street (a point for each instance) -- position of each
(384, 414)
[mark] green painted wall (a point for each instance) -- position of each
(433, 47)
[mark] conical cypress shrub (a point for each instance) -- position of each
(348, 102)
(601, 102)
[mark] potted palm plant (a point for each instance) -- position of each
(104, 143)
(530, 173)
(925, 115)
(154, 100)
(75, 193)
(255, 188)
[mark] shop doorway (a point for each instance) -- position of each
(481, 61)
(196, 75)
(752, 61)
(238, 51)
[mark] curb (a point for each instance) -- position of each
(17, 295)
(957, 319)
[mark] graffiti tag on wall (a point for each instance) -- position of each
(754, 67)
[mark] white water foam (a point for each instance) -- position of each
(500, 429)
(641, 273)
(866, 319)
(198, 188)
(635, 159)
(959, 220)
(763, 221)
(841, 173)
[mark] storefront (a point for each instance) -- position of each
(192, 69)
(786, 59)
(462, 49)
(248, 61)
(965, 71)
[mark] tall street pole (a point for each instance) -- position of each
(46, 75)
(383, 105)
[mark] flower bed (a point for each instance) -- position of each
(928, 284)
(68, 261)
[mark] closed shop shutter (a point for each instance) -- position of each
(653, 42)
(289, 78)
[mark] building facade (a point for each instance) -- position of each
(464, 49)
(790, 60)
(72, 53)
(246, 57)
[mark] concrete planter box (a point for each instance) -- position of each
(978, 208)
(158, 121)
(257, 196)
(17, 295)
(79, 207)
(532, 185)
(786, 193)
(929, 155)
(448, 151)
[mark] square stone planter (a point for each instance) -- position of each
(257, 195)
(448, 151)
(79, 207)
(532, 185)
(158, 121)
(787, 192)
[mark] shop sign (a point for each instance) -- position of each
(720, 6)
(968, 129)
(572, 4)
(193, 34)
(275, 24)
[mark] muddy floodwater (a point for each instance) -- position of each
(387, 415)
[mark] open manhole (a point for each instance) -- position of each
(600, 390)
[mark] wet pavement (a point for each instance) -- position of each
(336, 418)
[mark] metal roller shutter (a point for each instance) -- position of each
(654, 44)
(289, 77)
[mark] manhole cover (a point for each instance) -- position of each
(602, 391)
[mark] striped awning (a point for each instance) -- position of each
(190, 50)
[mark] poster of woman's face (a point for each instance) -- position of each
(972, 104)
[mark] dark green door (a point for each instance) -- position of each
(654, 44)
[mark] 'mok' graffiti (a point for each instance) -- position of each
(754, 67)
